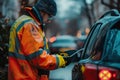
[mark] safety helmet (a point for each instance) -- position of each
(48, 6)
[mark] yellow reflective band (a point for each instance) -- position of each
(61, 61)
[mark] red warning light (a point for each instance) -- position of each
(105, 75)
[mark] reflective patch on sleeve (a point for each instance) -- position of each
(61, 61)
(21, 24)
(28, 57)
(57, 61)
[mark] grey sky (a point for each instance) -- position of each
(69, 8)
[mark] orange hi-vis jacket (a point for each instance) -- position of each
(27, 53)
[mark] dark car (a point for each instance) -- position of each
(100, 58)
(62, 43)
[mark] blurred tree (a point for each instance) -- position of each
(4, 38)
(93, 9)
(24, 3)
(112, 4)
(72, 27)
(9, 12)
(88, 10)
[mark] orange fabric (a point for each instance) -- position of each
(33, 43)
(30, 40)
(44, 77)
(47, 61)
(20, 70)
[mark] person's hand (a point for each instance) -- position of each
(67, 59)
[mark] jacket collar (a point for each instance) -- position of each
(29, 10)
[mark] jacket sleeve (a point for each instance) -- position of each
(31, 45)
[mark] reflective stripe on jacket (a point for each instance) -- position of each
(26, 51)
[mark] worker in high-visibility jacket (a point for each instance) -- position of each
(29, 57)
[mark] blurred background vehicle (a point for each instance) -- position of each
(66, 42)
(101, 52)
(80, 41)
(66, 45)
(62, 43)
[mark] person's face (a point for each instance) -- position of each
(46, 18)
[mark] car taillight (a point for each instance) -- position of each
(105, 75)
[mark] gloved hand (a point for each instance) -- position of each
(71, 56)
(67, 59)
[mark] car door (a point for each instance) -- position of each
(82, 70)
(89, 68)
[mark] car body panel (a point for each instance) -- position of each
(101, 51)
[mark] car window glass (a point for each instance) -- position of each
(113, 46)
(97, 49)
(92, 40)
(84, 54)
